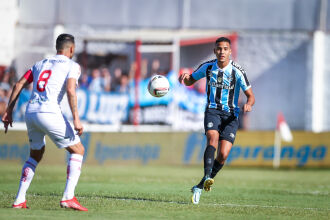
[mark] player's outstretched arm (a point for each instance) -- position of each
(7, 118)
(187, 79)
(250, 100)
(72, 98)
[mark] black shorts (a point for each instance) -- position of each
(224, 122)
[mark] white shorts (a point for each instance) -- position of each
(55, 125)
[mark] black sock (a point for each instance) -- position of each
(208, 160)
(216, 168)
(208, 164)
(201, 183)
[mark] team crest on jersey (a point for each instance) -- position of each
(210, 125)
(219, 79)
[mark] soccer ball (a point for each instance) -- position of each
(158, 86)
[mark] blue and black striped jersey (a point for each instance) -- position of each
(222, 85)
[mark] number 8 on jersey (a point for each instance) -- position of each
(43, 80)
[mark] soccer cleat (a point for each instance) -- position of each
(196, 194)
(73, 204)
(20, 206)
(208, 183)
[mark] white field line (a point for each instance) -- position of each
(215, 204)
(270, 207)
(229, 205)
(224, 204)
(201, 204)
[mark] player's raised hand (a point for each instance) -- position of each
(247, 108)
(78, 127)
(7, 120)
(183, 77)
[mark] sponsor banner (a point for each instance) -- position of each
(94, 107)
(101, 108)
(15, 148)
(158, 114)
(172, 115)
(257, 149)
(176, 148)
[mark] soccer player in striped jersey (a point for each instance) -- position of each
(51, 78)
(224, 79)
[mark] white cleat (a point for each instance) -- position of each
(196, 195)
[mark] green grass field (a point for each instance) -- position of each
(146, 192)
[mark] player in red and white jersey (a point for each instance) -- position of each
(48, 91)
(51, 78)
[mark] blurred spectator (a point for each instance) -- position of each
(5, 87)
(96, 82)
(143, 72)
(2, 71)
(106, 79)
(132, 70)
(83, 81)
(117, 74)
(144, 69)
(116, 81)
(4, 92)
(12, 78)
(155, 65)
(123, 85)
(5, 82)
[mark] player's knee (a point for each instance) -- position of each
(213, 142)
(212, 139)
(37, 154)
(223, 156)
(76, 149)
(82, 149)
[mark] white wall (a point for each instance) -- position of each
(8, 19)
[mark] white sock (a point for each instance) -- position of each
(73, 173)
(26, 178)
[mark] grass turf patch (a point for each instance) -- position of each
(159, 192)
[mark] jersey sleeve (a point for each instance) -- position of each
(29, 76)
(244, 82)
(75, 72)
(200, 72)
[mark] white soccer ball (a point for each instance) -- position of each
(158, 86)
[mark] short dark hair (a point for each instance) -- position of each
(223, 39)
(62, 41)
